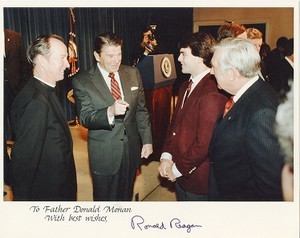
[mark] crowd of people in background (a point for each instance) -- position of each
(221, 143)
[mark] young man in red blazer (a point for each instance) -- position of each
(185, 152)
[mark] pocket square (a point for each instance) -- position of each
(134, 88)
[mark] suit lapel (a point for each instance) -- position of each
(125, 81)
(234, 111)
(98, 81)
(195, 94)
(124, 78)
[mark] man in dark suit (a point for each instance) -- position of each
(17, 71)
(285, 70)
(111, 104)
(245, 154)
(43, 166)
(16, 66)
(273, 58)
(185, 157)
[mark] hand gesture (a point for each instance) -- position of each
(118, 108)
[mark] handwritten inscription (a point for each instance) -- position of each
(60, 213)
(100, 213)
(80, 209)
(138, 222)
(114, 209)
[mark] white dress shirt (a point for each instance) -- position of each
(244, 88)
(107, 80)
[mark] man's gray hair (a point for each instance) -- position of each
(240, 54)
(41, 46)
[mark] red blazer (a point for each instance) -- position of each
(190, 131)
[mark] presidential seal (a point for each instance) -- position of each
(166, 67)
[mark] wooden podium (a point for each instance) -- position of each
(158, 74)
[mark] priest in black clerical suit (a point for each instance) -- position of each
(43, 166)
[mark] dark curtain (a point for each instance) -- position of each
(32, 22)
(90, 22)
(129, 23)
(126, 22)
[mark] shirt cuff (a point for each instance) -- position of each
(176, 171)
(166, 155)
(111, 119)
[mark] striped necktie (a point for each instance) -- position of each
(115, 89)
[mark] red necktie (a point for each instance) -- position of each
(228, 106)
(115, 89)
(188, 90)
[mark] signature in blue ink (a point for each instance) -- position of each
(138, 222)
(176, 223)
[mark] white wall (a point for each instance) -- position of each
(279, 21)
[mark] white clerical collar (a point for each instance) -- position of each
(244, 88)
(51, 85)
